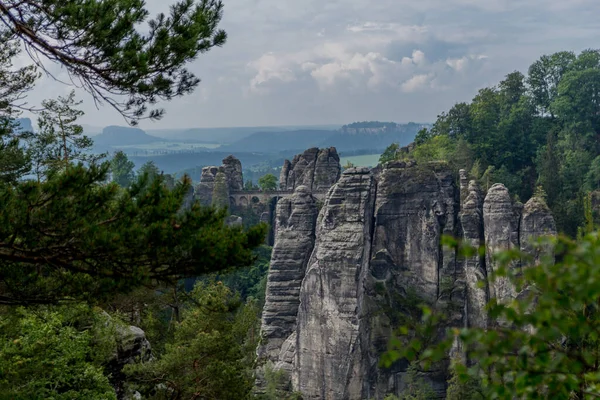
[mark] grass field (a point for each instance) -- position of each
(367, 160)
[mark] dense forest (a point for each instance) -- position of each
(530, 130)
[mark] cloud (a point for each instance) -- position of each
(415, 83)
(335, 61)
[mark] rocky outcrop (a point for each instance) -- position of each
(339, 286)
(316, 169)
(131, 347)
(329, 348)
(228, 177)
(233, 170)
(536, 221)
(471, 220)
(295, 220)
(501, 219)
(204, 189)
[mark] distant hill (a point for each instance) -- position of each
(357, 136)
(114, 136)
(229, 135)
(269, 142)
(372, 135)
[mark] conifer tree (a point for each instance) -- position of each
(113, 49)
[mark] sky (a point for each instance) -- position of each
(311, 62)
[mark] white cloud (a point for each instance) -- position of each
(270, 67)
(416, 83)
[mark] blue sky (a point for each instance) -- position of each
(292, 62)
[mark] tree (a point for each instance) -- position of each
(348, 165)
(545, 343)
(60, 141)
(100, 45)
(249, 185)
(121, 169)
(71, 236)
(267, 183)
(390, 153)
(212, 352)
(54, 352)
(150, 170)
(74, 237)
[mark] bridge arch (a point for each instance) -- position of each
(243, 201)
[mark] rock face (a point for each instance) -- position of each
(228, 176)
(132, 347)
(471, 219)
(204, 190)
(341, 282)
(536, 221)
(233, 170)
(329, 354)
(501, 232)
(316, 169)
(295, 221)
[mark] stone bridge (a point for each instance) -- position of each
(248, 197)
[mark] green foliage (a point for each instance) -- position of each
(461, 385)
(150, 170)
(250, 282)
(249, 185)
(101, 45)
(415, 386)
(74, 236)
(545, 343)
(277, 385)
(390, 153)
(348, 165)
(54, 353)
(267, 183)
(212, 351)
(538, 129)
(121, 169)
(439, 148)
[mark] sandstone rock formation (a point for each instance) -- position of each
(231, 180)
(204, 189)
(471, 220)
(315, 169)
(536, 221)
(131, 347)
(233, 170)
(341, 282)
(501, 232)
(295, 221)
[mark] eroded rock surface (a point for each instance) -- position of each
(501, 218)
(537, 221)
(316, 169)
(329, 349)
(231, 175)
(233, 170)
(341, 283)
(295, 221)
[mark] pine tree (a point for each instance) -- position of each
(60, 140)
(105, 48)
(121, 169)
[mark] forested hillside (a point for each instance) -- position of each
(539, 128)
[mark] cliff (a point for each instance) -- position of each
(317, 169)
(227, 177)
(339, 284)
